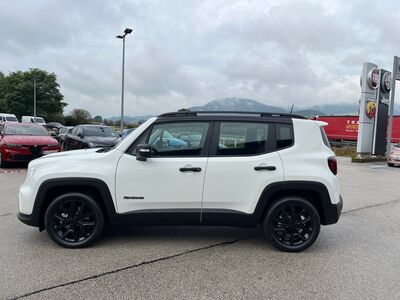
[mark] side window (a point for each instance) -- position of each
(242, 138)
(178, 139)
(284, 135)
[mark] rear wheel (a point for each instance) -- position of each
(74, 220)
(292, 224)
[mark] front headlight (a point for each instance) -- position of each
(12, 146)
(91, 145)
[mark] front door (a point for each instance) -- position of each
(172, 179)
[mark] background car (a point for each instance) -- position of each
(91, 136)
(125, 132)
(5, 118)
(62, 134)
(394, 156)
(31, 119)
(53, 128)
(23, 142)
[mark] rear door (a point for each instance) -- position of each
(242, 163)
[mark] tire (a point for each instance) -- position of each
(74, 220)
(390, 164)
(292, 224)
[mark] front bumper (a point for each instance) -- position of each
(27, 219)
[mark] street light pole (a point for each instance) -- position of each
(126, 32)
(34, 99)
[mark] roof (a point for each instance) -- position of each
(228, 113)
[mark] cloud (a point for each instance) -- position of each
(186, 53)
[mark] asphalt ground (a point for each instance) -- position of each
(358, 258)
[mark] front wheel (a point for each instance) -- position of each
(74, 220)
(292, 224)
(390, 164)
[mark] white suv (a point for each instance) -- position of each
(192, 168)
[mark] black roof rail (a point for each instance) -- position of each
(199, 113)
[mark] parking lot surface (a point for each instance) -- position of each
(358, 258)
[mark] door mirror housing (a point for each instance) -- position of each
(143, 151)
(80, 135)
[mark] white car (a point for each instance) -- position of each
(229, 169)
(31, 119)
(7, 118)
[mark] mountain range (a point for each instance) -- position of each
(242, 104)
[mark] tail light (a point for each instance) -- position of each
(332, 163)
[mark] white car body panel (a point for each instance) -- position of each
(72, 164)
(159, 182)
(232, 183)
(307, 159)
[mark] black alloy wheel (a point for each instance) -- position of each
(74, 220)
(293, 224)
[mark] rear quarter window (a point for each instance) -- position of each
(284, 136)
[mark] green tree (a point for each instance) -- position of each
(98, 119)
(2, 100)
(17, 94)
(78, 116)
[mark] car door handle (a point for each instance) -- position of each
(186, 169)
(268, 168)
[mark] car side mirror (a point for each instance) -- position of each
(143, 152)
(80, 135)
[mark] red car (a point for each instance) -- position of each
(394, 156)
(23, 142)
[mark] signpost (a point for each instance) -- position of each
(381, 115)
(369, 83)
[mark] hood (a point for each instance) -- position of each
(81, 154)
(101, 140)
(29, 140)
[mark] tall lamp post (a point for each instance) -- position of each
(34, 99)
(126, 32)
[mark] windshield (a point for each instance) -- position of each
(100, 131)
(26, 130)
(11, 119)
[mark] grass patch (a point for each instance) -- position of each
(345, 151)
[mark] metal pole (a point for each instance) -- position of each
(34, 99)
(123, 77)
(391, 108)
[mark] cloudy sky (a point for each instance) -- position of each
(184, 53)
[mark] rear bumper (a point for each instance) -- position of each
(332, 212)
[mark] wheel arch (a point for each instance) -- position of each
(315, 192)
(96, 188)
